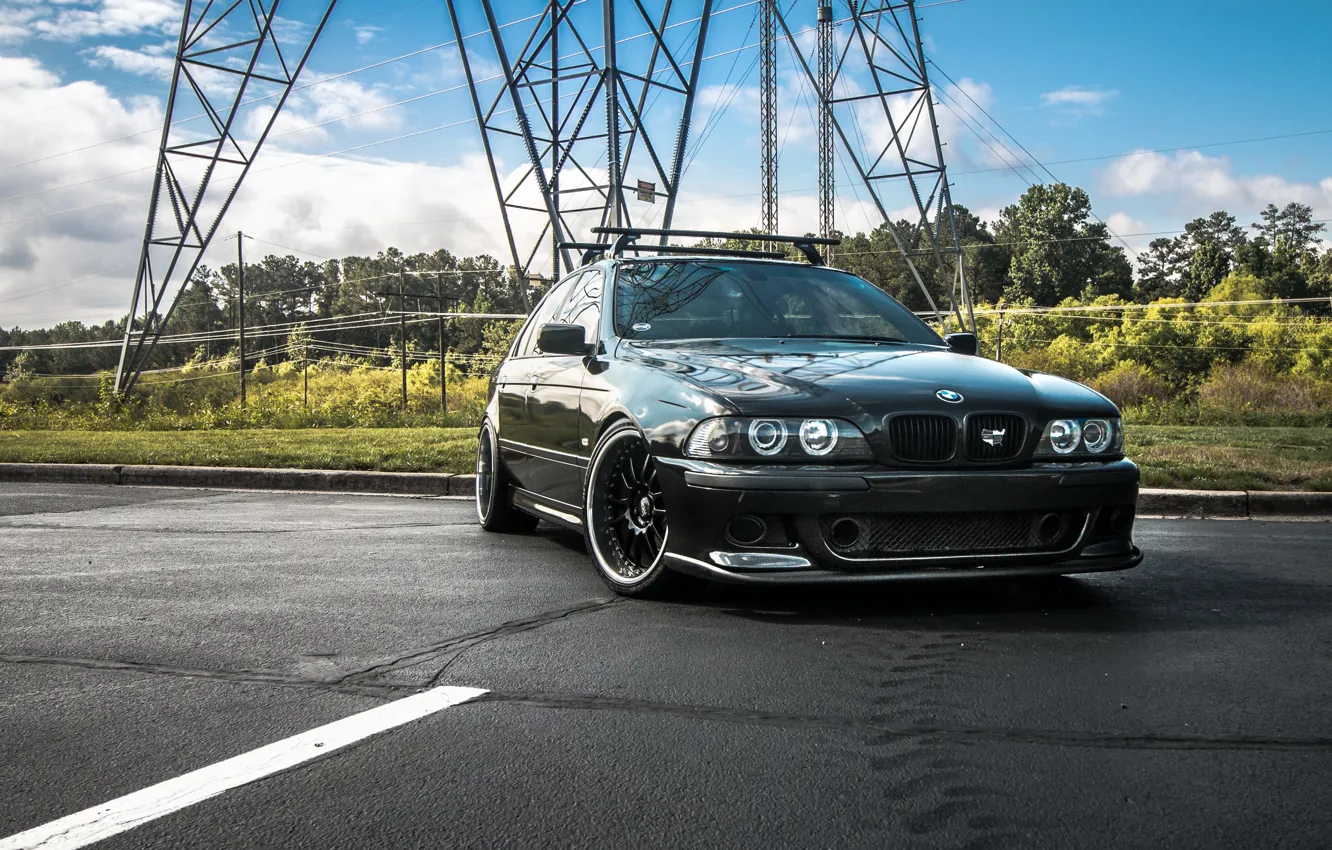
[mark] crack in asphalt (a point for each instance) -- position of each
(961, 734)
(462, 643)
(248, 677)
(354, 682)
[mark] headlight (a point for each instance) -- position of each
(1064, 435)
(1096, 435)
(742, 438)
(1072, 438)
(818, 436)
(767, 436)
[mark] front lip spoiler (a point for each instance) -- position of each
(704, 570)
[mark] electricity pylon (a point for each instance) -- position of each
(232, 72)
(768, 116)
(583, 99)
(827, 176)
(879, 88)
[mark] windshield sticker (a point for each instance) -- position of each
(642, 327)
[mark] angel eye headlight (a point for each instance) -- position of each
(818, 436)
(1064, 435)
(1097, 434)
(767, 436)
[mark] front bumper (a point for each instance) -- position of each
(797, 504)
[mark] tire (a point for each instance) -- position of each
(625, 518)
(493, 506)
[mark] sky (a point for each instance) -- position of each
(1162, 111)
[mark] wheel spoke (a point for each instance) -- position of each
(629, 527)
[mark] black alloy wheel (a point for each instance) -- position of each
(626, 516)
(493, 506)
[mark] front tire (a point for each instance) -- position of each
(493, 506)
(625, 516)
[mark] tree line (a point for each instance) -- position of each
(1045, 248)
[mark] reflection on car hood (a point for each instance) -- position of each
(803, 377)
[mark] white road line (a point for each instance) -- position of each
(124, 813)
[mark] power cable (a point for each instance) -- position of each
(1028, 153)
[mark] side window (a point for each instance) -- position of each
(584, 304)
(544, 313)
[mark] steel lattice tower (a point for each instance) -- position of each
(200, 167)
(880, 79)
(827, 176)
(571, 105)
(768, 115)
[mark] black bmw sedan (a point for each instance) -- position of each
(768, 422)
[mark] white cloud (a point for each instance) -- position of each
(109, 18)
(15, 22)
(1194, 180)
(139, 62)
(365, 34)
(1077, 101)
(1128, 228)
(80, 265)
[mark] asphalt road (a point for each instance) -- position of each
(146, 633)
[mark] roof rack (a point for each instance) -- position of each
(592, 250)
(626, 236)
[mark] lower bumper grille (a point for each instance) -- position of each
(923, 534)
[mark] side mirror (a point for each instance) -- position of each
(963, 343)
(554, 338)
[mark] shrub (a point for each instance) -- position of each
(1245, 393)
(1131, 385)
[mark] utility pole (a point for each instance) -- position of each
(443, 351)
(768, 115)
(999, 343)
(402, 334)
(240, 308)
(305, 374)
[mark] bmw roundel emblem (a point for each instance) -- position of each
(949, 396)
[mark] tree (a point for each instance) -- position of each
(1219, 228)
(1291, 227)
(1161, 270)
(1056, 252)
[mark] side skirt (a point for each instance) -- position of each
(550, 510)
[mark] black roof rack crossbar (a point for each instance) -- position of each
(708, 252)
(807, 245)
(711, 234)
(592, 250)
(597, 249)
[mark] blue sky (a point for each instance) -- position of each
(1069, 80)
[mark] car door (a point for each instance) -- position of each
(556, 382)
(513, 384)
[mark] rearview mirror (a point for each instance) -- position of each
(556, 338)
(962, 343)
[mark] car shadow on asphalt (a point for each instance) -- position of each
(1055, 603)
(1193, 594)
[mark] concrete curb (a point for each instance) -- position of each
(1151, 502)
(311, 480)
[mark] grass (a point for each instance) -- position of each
(1205, 458)
(387, 449)
(1233, 458)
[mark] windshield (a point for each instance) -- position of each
(696, 299)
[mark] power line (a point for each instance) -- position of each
(1027, 152)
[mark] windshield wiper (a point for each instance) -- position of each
(847, 338)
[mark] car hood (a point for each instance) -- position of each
(860, 380)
